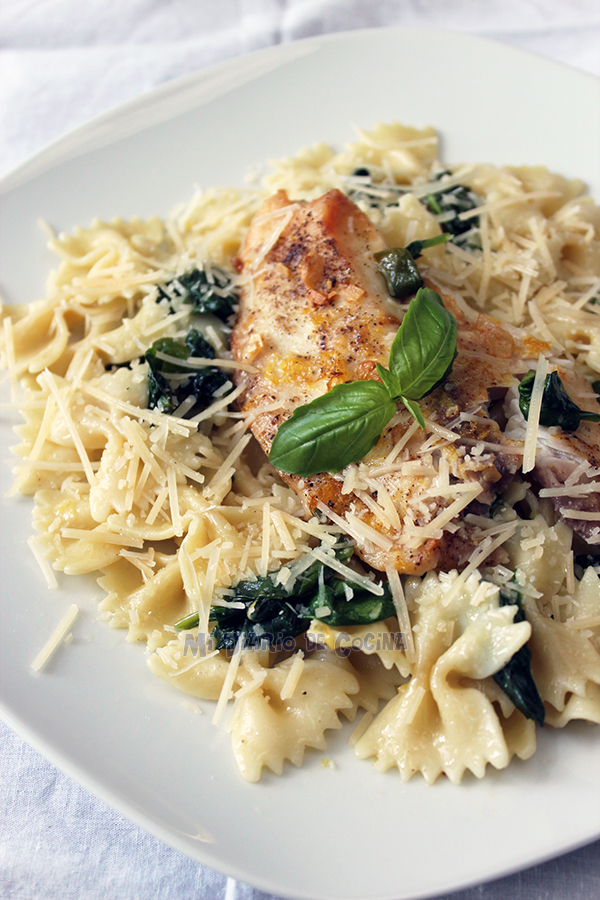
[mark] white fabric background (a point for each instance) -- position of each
(61, 63)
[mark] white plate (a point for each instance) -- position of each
(97, 711)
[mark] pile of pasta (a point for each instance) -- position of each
(169, 510)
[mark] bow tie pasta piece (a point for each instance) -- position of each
(376, 682)
(123, 343)
(128, 383)
(60, 513)
(46, 438)
(565, 621)
(40, 334)
(111, 489)
(378, 639)
(565, 666)
(586, 707)
(441, 721)
(539, 554)
(266, 729)
(141, 603)
(182, 664)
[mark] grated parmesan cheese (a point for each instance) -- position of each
(401, 611)
(535, 406)
(292, 680)
(43, 563)
(226, 691)
(58, 635)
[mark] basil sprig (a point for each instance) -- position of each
(341, 427)
(557, 407)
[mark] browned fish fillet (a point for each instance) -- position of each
(314, 313)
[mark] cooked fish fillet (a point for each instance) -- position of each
(314, 313)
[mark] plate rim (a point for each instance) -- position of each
(281, 50)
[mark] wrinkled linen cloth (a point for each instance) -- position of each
(62, 62)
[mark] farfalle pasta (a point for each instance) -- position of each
(279, 605)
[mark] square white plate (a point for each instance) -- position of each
(97, 711)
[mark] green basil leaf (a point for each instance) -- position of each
(414, 408)
(390, 381)
(425, 347)
(334, 430)
(557, 407)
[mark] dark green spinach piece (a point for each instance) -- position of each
(398, 266)
(583, 561)
(557, 407)
(272, 615)
(202, 383)
(208, 293)
(456, 199)
(362, 188)
(515, 679)
(401, 273)
(198, 346)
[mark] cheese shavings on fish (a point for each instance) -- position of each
(314, 313)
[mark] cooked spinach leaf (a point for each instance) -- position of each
(207, 291)
(456, 199)
(362, 188)
(265, 612)
(557, 407)
(401, 273)
(515, 679)
(170, 347)
(198, 346)
(399, 269)
(201, 383)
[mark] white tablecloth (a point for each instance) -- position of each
(61, 63)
